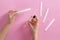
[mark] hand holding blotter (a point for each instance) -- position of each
(11, 14)
(33, 22)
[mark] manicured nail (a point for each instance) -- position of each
(34, 16)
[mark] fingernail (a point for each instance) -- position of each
(34, 16)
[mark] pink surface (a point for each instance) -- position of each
(3, 21)
(19, 30)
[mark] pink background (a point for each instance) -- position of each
(19, 30)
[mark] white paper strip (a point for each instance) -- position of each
(45, 15)
(49, 25)
(25, 10)
(41, 9)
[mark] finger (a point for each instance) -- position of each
(33, 21)
(12, 12)
(30, 25)
(34, 17)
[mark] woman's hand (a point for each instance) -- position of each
(33, 21)
(11, 14)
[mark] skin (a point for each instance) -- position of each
(11, 15)
(33, 22)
